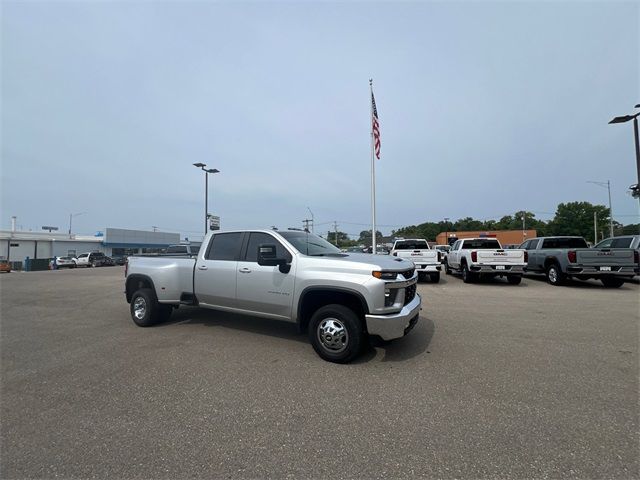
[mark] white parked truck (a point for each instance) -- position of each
(427, 260)
(295, 276)
(474, 257)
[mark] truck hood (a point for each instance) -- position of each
(370, 261)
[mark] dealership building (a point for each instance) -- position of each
(16, 246)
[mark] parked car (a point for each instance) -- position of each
(120, 260)
(5, 266)
(66, 262)
(560, 258)
(92, 259)
(108, 262)
(473, 257)
(426, 260)
(293, 276)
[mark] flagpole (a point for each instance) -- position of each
(373, 178)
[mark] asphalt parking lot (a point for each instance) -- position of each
(494, 381)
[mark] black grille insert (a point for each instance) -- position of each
(409, 293)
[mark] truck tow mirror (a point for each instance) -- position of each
(267, 257)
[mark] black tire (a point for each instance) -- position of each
(145, 309)
(447, 269)
(343, 330)
(467, 276)
(435, 277)
(514, 279)
(612, 282)
(554, 275)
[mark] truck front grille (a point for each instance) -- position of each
(408, 273)
(409, 293)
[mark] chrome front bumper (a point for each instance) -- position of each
(395, 325)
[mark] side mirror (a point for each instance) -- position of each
(267, 257)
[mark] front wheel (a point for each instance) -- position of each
(612, 282)
(447, 269)
(514, 279)
(435, 277)
(336, 333)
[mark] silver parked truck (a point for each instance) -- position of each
(292, 275)
(560, 258)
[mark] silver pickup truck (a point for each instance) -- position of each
(295, 276)
(570, 257)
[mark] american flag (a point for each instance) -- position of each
(375, 126)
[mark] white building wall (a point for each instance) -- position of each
(21, 249)
(44, 249)
(63, 248)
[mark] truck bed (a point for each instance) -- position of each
(170, 274)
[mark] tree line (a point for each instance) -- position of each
(572, 218)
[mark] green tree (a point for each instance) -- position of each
(576, 218)
(343, 238)
(631, 229)
(365, 237)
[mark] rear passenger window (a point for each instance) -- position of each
(533, 244)
(225, 246)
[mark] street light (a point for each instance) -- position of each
(635, 189)
(206, 171)
(607, 185)
(71, 215)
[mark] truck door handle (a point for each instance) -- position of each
(245, 270)
(202, 267)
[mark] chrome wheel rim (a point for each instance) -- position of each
(139, 308)
(553, 275)
(333, 335)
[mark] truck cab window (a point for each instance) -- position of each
(225, 246)
(257, 238)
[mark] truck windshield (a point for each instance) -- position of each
(310, 244)
(411, 245)
(480, 244)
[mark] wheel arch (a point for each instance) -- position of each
(313, 298)
(136, 282)
(550, 260)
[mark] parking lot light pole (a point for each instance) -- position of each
(206, 171)
(71, 215)
(635, 189)
(446, 230)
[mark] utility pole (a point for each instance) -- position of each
(305, 224)
(155, 229)
(312, 219)
(595, 227)
(523, 227)
(335, 229)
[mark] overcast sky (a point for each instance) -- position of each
(485, 108)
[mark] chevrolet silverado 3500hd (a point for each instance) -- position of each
(295, 276)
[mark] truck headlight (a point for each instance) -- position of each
(385, 275)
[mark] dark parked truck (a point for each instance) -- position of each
(560, 258)
(295, 276)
